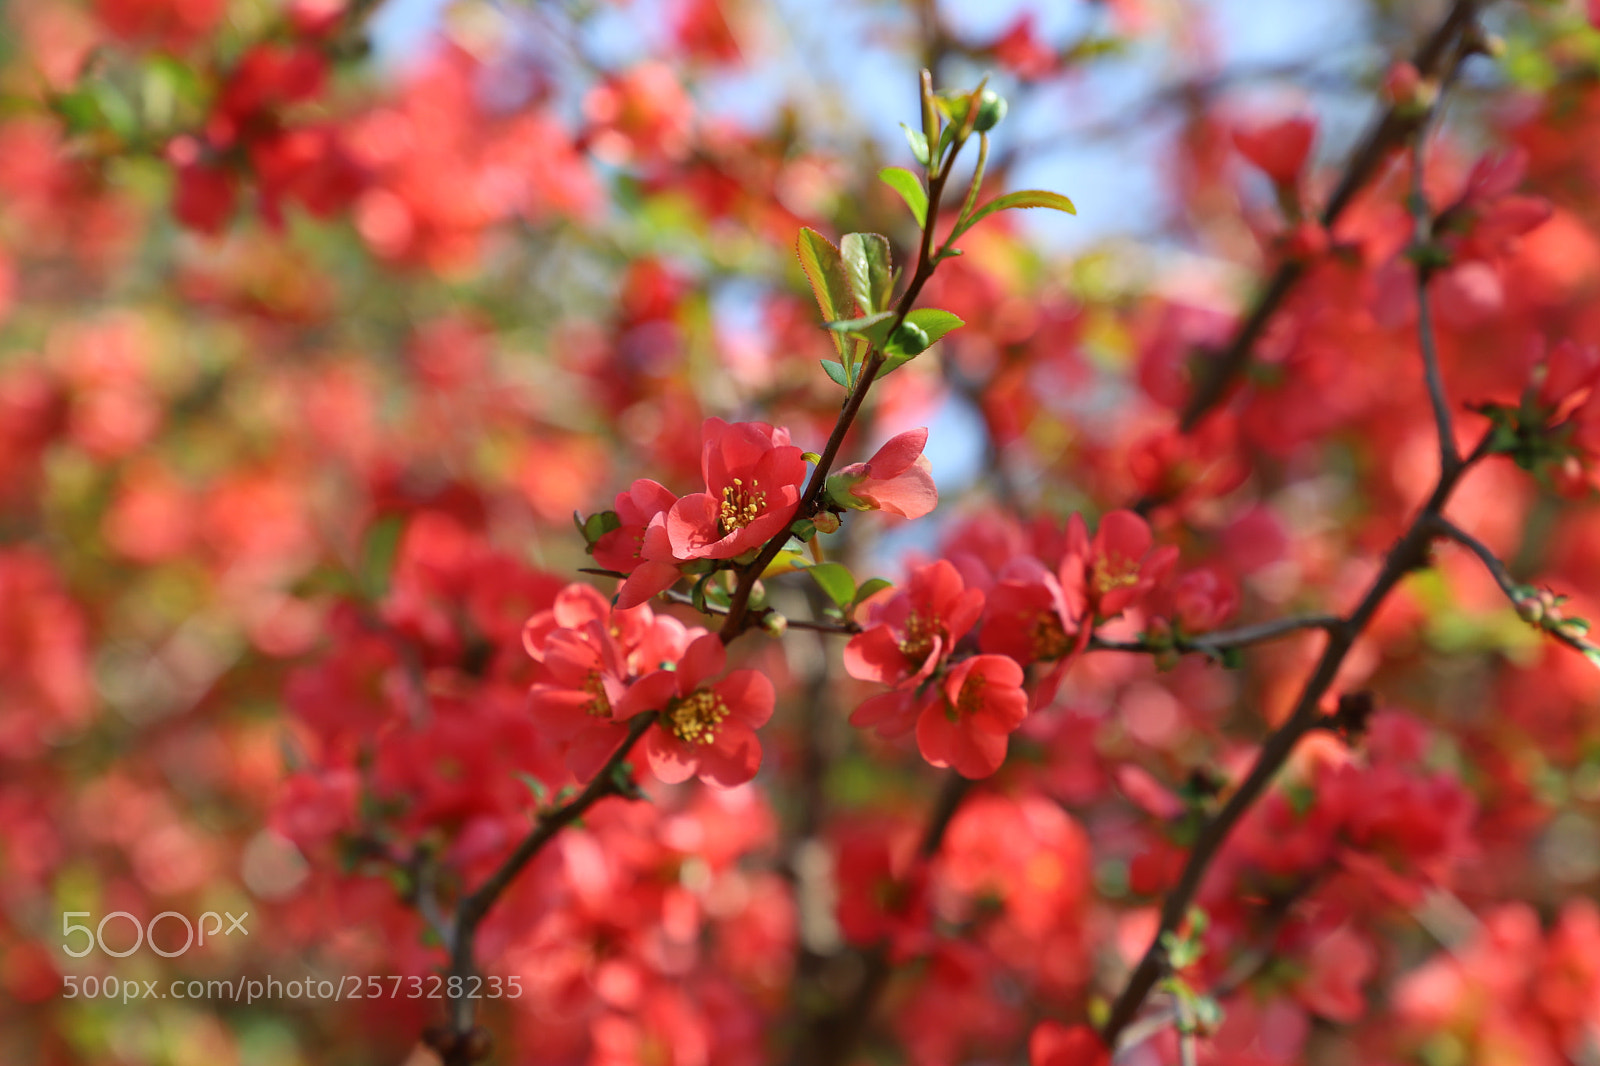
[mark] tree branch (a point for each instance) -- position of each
(737, 620)
(1223, 639)
(472, 909)
(1437, 57)
(1518, 595)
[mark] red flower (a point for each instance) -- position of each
(753, 479)
(705, 730)
(1278, 148)
(1054, 1044)
(1115, 570)
(1568, 374)
(898, 479)
(910, 636)
(983, 705)
(639, 547)
(590, 653)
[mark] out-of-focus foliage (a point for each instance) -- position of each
(306, 364)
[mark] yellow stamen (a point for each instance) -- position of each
(740, 505)
(920, 635)
(1110, 572)
(599, 706)
(1050, 640)
(971, 698)
(695, 717)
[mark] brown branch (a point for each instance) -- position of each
(831, 1038)
(462, 1049)
(1519, 596)
(1437, 57)
(737, 620)
(1224, 639)
(758, 616)
(1409, 553)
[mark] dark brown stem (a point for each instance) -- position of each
(472, 909)
(1437, 58)
(1223, 639)
(832, 1037)
(1409, 553)
(737, 620)
(1502, 576)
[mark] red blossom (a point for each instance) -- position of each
(640, 547)
(704, 730)
(1054, 1044)
(1279, 148)
(983, 705)
(753, 478)
(898, 478)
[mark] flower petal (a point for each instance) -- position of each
(670, 759)
(733, 758)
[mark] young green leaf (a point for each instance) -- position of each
(825, 271)
(869, 587)
(873, 328)
(934, 322)
(836, 372)
(910, 189)
(379, 548)
(1026, 198)
(836, 581)
(867, 266)
(918, 142)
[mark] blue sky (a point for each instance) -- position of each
(1115, 181)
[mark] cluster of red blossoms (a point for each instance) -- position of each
(956, 644)
(608, 666)
(754, 479)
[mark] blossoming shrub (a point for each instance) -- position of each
(1241, 709)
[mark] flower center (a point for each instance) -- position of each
(741, 505)
(971, 698)
(919, 638)
(695, 717)
(1050, 640)
(599, 705)
(1111, 572)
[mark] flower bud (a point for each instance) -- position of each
(908, 338)
(991, 110)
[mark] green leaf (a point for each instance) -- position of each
(697, 595)
(918, 142)
(934, 322)
(867, 265)
(868, 588)
(79, 110)
(598, 525)
(836, 580)
(825, 271)
(910, 189)
(873, 328)
(117, 109)
(378, 550)
(836, 372)
(1026, 198)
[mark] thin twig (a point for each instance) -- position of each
(1224, 639)
(756, 617)
(1518, 595)
(472, 909)
(1436, 58)
(737, 620)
